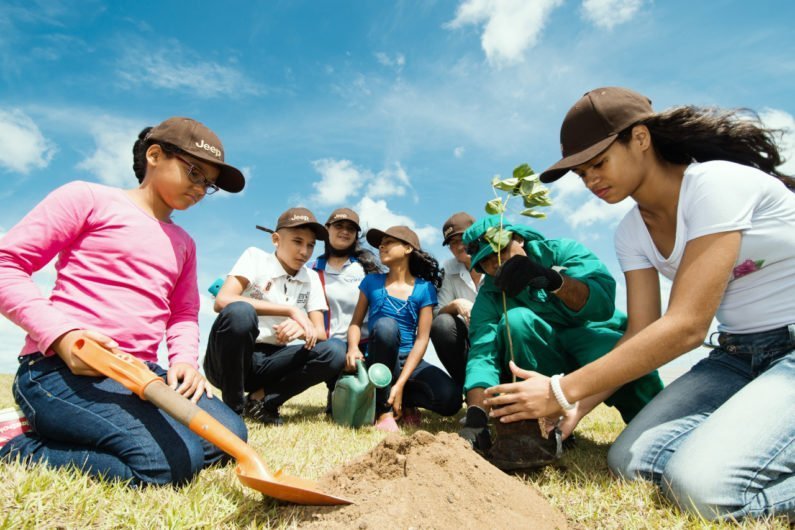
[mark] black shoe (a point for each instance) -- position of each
(328, 403)
(257, 410)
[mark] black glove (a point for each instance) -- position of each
(476, 429)
(520, 272)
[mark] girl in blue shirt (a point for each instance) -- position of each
(400, 305)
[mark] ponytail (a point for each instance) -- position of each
(681, 135)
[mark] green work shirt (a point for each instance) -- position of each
(485, 364)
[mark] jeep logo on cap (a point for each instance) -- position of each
(299, 218)
(211, 148)
(449, 229)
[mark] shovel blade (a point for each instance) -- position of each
(290, 489)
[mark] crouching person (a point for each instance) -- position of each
(561, 315)
(267, 303)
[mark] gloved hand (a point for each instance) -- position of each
(476, 429)
(520, 272)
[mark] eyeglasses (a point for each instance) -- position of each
(197, 177)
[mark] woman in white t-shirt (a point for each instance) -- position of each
(714, 215)
(341, 268)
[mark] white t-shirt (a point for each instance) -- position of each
(268, 281)
(457, 283)
(721, 196)
(342, 293)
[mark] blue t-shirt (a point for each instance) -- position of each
(404, 312)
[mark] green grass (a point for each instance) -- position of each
(309, 446)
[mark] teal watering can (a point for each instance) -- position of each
(353, 399)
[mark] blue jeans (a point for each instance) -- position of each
(720, 440)
(427, 387)
(96, 425)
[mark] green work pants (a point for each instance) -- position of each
(540, 347)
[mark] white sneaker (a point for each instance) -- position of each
(12, 423)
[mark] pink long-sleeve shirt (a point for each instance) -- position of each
(119, 271)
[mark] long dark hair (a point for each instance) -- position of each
(423, 265)
(139, 152)
(683, 134)
(366, 258)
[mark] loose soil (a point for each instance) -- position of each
(426, 481)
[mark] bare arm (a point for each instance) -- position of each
(231, 291)
(696, 294)
(572, 292)
(355, 333)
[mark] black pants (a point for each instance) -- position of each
(427, 387)
(450, 338)
(237, 364)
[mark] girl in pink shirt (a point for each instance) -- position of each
(126, 277)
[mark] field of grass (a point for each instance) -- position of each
(309, 446)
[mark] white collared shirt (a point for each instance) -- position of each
(457, 283)
(268, 281)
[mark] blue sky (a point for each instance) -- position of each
(403, 110)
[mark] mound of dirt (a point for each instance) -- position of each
(427, 481)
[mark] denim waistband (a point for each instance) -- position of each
(750, 343)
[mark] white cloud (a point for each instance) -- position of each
(389, 182)
(397, 62)
(510, 26)
(24, 146)
(340, 179)
(785, 122)
(175, 68)
(111, 162)
(459, 151)
(609, 13)
(376, 214)
(597, 211)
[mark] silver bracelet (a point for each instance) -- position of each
(554, 383)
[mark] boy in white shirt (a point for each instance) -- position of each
(267, 302)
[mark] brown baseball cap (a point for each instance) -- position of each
(456, 225)
(402, 233)
(344, 214)
(593, 124)
(297, 217)
(200, 142)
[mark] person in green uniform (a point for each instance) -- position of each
(561, 314)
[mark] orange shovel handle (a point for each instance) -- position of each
(121, 367)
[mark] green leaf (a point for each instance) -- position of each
(497, 238)
(495, 206)
(534, 214)
(528, 186)
(506, 185)
(523, 171)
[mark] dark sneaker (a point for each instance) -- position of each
(257, 410)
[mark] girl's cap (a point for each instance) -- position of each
(297, 217)
(593, 124)
(401, 233)
(344, 214)
(456, 225)
(198, 141)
